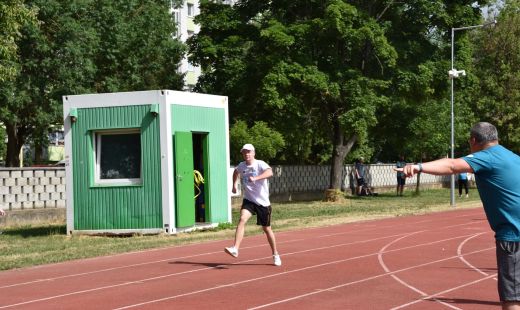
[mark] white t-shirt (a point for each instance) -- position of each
(258, 191)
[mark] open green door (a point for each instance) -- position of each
(184, 182)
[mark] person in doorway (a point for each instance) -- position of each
(497, 175)
(401, 178)
(253, 174)
(462, 179)
(359, 172)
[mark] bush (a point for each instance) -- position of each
(268, 142)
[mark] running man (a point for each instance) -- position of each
(254, 174)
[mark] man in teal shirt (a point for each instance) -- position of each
(497, 175)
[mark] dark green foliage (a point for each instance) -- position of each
(268, 143)
(85, 46)
(13, 15)
(495, 96)
(335, 75)
(417, 122)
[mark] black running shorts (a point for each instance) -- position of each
(263, 214)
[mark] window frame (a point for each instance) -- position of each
(190, 8)
(97, 144)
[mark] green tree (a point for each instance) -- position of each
(316, 67)
(136, 50)
(496, 95)
(326, 70)
(268, 143)
(13, 15)
(416, 123)
(85, 46)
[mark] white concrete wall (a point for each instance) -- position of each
(32, 188)
(40, 188)
(317, 178)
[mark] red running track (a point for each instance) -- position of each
(437, 261)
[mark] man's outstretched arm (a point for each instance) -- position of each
(444, 166)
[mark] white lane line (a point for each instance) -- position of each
(132, 265)
(445, 291)
(363, 280)
(298, 270)
(386, 269)
(213, 267)
(388, 273)
(168, 259)
(473, 214)
(165, 260)
(459, 252)
(402, 282)
(141, 281)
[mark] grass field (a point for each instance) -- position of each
(35, 245)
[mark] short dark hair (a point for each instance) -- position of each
(484, 132)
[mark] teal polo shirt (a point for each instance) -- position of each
(497, 175)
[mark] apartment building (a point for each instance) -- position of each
(186, 27)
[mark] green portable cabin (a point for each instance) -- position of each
(146, 162)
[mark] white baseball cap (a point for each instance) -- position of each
(248, 147)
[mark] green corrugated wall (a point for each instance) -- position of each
(116, 207)
(211, 121)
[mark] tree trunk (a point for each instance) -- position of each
(15, 141)
(418, 184)
(340, 150)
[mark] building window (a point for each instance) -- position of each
(176, 19)
(118, 157)
(191, 9)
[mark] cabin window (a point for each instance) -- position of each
(118, 157)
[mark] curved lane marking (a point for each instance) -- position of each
(459, 252)
(402, 282)
(445, 291)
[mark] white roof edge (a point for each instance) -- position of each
(143, 97)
